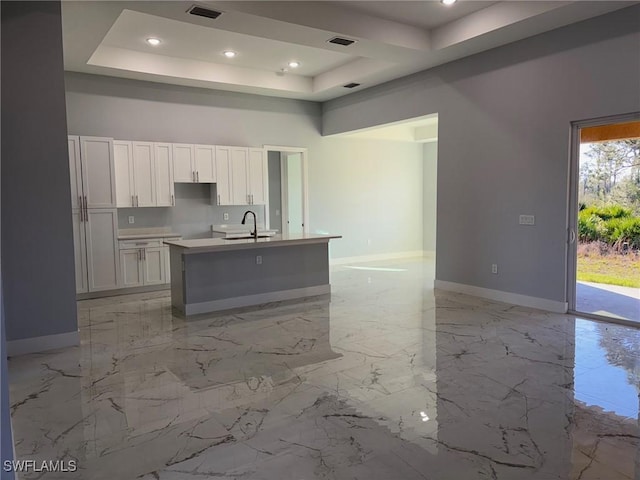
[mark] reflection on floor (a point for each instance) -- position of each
(608, 300)
(383, 381)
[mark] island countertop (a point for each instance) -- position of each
(204, 245)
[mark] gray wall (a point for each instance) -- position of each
(503, 140)
(275, 191)
(37, 244)
(429, 192)
(192, 215)
(358, 189)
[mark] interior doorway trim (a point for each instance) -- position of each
(572, 211)
(304, 161)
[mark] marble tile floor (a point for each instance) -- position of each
(386, 379)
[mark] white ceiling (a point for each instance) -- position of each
(394, 39)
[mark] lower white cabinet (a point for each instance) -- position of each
(144, 262)
(96, 249)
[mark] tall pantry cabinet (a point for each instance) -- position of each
(95, 217)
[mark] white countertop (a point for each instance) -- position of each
(151, 232)
(204, 245)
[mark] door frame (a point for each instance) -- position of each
(304, 159)
(572, 210)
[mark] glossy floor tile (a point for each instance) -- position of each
(384, 380)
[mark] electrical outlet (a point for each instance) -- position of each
(258, 259)
(527, 220)
(132, 219)
(225, 216)
(494, 268)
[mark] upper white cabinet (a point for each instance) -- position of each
(242, 176)
(194, 163)
(223, 171)
(205, 163)
(165, 193)
(144, 172)
(257, 176)
(239, 176)
(97, 186)
(183, 170)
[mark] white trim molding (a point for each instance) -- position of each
(504, 297)
(42, 344)
(381, 256)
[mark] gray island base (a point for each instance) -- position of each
(209, 275)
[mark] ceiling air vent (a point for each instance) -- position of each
(204, 12)
(345, 42)
(351, 85)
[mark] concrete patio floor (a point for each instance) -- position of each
(608, 300)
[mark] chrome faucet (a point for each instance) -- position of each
(254, 234)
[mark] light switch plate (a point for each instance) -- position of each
(132, 219)
(527, 220)
(225, 216)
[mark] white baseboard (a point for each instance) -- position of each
(41, 344)
(381, 256)
(505, 297)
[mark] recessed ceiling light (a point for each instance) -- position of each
(294, 64)
(154, 42)
(448, 2)
(229, 53)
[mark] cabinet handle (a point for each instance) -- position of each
(198, 177)
(193, 176)
(86, 209)
(81, 208)
(139, 255)
(173, 200)
(218, 199)
(133, 200)
(252, 199)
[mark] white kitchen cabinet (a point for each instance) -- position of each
(183, 171)
(223, 173)
(101, 230)
(194, 163)
(239, 175)
(242, 176)
(80, 251)
(131, 267)
(165, 193)
(98, 176)
(205, 163)
(143, 262)
(257, 177)
(144, 174)
(94, 217)
(123, 164)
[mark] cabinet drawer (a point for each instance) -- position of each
(141, 243)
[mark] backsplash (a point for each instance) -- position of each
(192, 216)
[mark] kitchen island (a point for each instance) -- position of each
(214, 274)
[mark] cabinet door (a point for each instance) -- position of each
(257, 177)
(131, 267)
(165, 194)
(205, 163)
(183, 163)
(223, 174)
(75, 170)
(102, 249)
(123, 165)
(98, 175)
(79, 250)
(239, 176)
(143, 174)
(153, 262)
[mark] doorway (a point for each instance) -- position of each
(604, 234)
(288, 190)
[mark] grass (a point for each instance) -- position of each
(598, 263)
